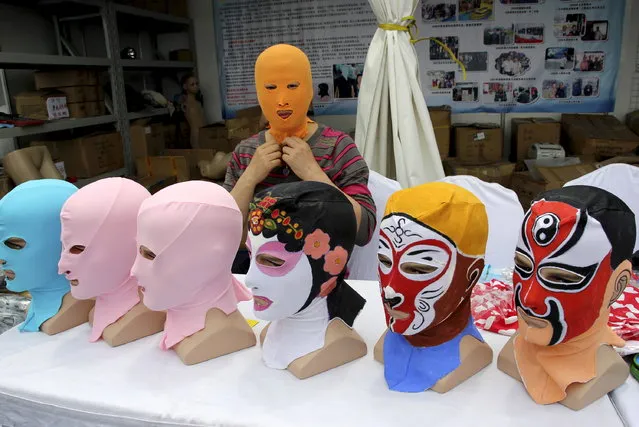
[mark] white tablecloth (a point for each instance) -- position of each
(66, 381)
(626, 400)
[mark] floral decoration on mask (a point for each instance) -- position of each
(261, 216)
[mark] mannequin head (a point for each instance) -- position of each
(284, 89)
(431, 247)
(300, 237)
(30, 234)
(190, 84)
(187, 236)
(98, 235)
(572, 262)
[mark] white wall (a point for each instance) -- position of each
(202, 15)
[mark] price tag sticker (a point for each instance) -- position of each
(480, 136)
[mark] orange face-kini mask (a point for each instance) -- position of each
(284, 90)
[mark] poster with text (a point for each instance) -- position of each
(519, 55)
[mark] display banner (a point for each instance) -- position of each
(519, 55)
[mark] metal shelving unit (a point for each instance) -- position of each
(110, 13)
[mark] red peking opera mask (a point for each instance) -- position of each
(562, 269)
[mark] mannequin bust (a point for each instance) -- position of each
(571, 264)
(30, 163)
(99, 226)
(30, 235)
(215, 169)
(301, 235)
(184, 267)
(192, 105)
(431, 254)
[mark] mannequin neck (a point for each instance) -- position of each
(214, 294)
(126, 290)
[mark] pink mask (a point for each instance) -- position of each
(188, 234)
(99, 248)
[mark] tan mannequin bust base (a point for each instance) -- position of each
(139, 322)
(221, 335)
(475, 356)
(341, 345)
(72, 313)
(30, 163)
(612, 371)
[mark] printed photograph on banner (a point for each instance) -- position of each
(555, 89)
(521, 1)
(466, 92)
(559, 58)
(476, 10)
(596, 31)
(437, 51)
(585, 86)
(474, 61)
(499, 35)
(513, 64)
(347, 79)
(590, 61)
(439, 11)
(529, 33)
(441, 80)
(525, 94)
(570, 25)
(495, 92)
(323, 92)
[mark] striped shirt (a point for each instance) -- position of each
(339, 158)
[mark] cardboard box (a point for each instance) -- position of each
(79, 110)
(181, 55)
(632, 121)
(192, 158)
(500, 173)
(6, 185)
(478, 144)
(178, 8)
(82, 93)
(155, 183)
(527, 132)
(156, 5)
(163, 166)
(594, 136)
(64, 78)
(42, 105)
(215, 137)
(147, 139)
(527, 188)
(88, 156)
(441, 119)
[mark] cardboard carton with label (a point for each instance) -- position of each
(440, 117)
(478, 144)
(529, 131)
(593, 136)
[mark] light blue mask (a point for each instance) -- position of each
(31, 212)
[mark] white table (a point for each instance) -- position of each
(66, 381)
(626, 400)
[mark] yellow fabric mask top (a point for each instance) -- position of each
(284, 90)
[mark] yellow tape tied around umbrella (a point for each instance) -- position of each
(413, 32)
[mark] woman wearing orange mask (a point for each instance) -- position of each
(295, 148)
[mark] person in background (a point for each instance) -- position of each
(295, 148)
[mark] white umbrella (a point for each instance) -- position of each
(392, 118)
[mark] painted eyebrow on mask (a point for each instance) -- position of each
(381, 242)
(421, 251)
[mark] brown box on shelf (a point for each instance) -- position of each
(181, 55)
(156, 5)
(529, 131)
(82, 93)
(78, 110)
(215, 137)
(441, 119)
(192, 158)
(64, 78)
(163, 166)
(478, 144)
(501, 172)
(178, 8)
(596, 136)
(169, 134)
(88, 156)
(527, 188)
(156, 183)
(147, 139)
(42, 105)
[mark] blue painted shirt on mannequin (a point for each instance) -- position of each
(413, 369)
(31, 212)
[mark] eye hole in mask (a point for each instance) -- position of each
(417, 268)
(523, 262)
(15, 243)
(557, 275)
(269, 260)
(77, 249)
(270, 86)
(293, 85)
(384, 260)
(147, 253)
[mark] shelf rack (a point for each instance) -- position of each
(110, 13)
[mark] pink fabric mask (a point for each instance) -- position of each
(98, 247)
(188, 234)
